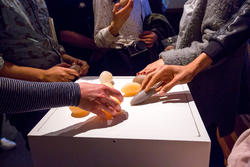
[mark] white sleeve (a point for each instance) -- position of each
(103, 17)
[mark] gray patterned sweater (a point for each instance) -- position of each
(200, 20)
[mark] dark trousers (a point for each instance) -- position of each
(1, 124)
(24, 122)
(120, 63)
(218, 91)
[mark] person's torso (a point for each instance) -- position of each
(25, 34)
(203, 17)
(133, 27)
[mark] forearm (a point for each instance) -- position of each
(23, 96)
(76, 39)
(202, 62)
(232, 35)
(102, 35)
(104, 38)
(20, 72)
(183, 56)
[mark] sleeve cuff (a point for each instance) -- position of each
(76, 95)
(170, 58)
(108, 36)
(214, 50)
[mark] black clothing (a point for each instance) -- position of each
(232, 35)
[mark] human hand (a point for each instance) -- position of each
(149, 37)
(84, 67)
(59, 74)
(170, 75)
(151, 67)
(74, 61)
(120, 16)
(96, 97)
(170, 47)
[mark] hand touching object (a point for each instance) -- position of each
(96, 97)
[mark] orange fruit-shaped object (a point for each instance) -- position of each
(78, 112)
(131, 89)
(108, 115)
(105, 76)
(115, 99)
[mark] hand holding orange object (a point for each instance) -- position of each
(97, 97)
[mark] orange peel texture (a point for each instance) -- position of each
(78, 112)
(108, 115)
(131, 89)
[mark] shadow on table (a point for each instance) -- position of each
(94, 122)
(172, 97)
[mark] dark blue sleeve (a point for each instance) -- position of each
(17, 96)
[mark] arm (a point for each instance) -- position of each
(76, 39)
(84, 67)
(19, 96)
(20, 72)
(173, 75)
(102, 19)
(24, 96)
(224, 37)
(232, 35)
(109, 21)
(183, 56)
(54, 74)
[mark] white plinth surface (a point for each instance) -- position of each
(162, 132)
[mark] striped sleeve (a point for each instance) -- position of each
(17, 96)
(1, 62)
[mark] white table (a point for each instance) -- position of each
(162, 132)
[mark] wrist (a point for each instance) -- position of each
(202, 62)
(41, 76)
(113, 30)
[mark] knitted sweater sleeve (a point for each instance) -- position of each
(194, 39)
(19, 96)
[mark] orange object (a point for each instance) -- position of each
(115, 99)
(131, 89)
(78, 112)
(108, 115)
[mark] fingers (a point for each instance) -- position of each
(116, 8)
(115, 93)
(65, 65)
(70, 75)
(84, 70)
(127, 9)
(154, 79)
(148, 41)
(169, 86)
(146, 71)
(144, 33)
(146, 36)
(146, 80)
